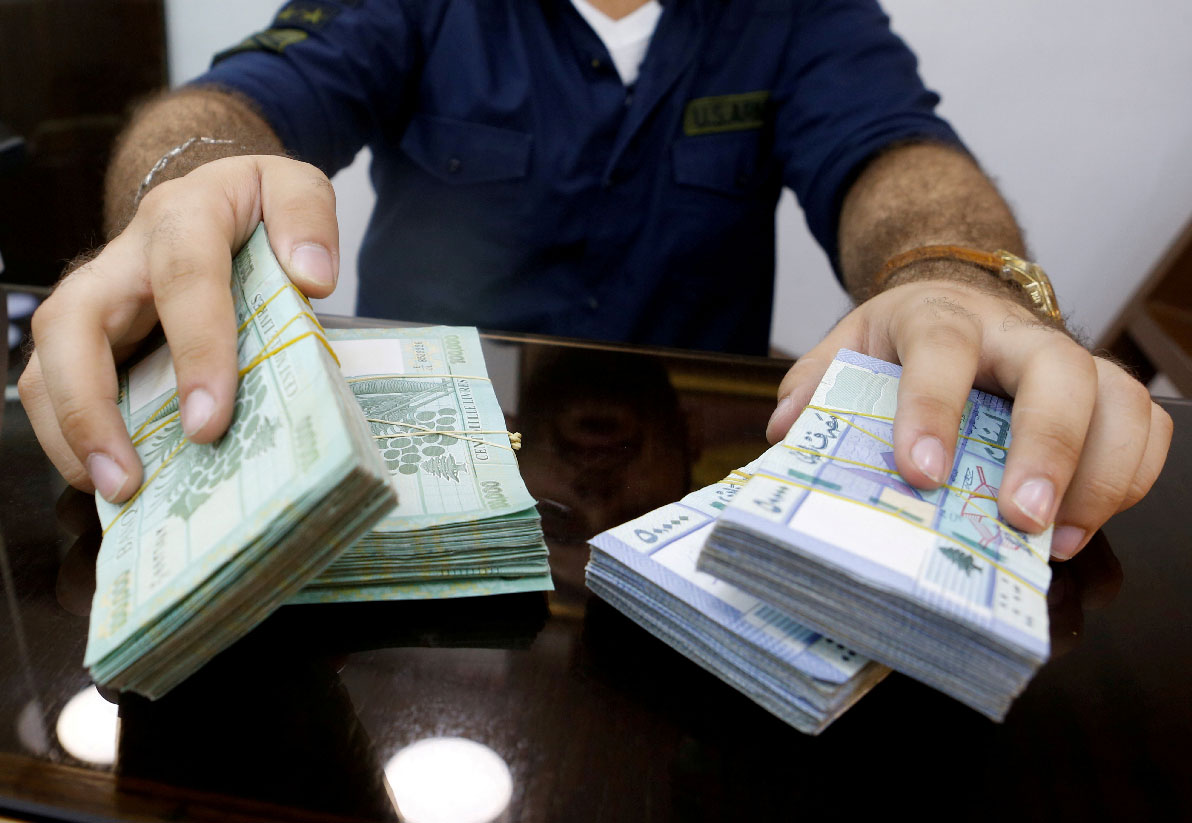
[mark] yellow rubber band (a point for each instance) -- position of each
(165, 421)
(128, 504)
(889, 513)
(514, 437)
(261, 308)
(1009, 532)
(239, 330)
(156, 412)
(833, 413)
(260, 358)
(883, 470)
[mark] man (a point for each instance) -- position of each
(534, 174)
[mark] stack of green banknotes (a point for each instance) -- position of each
(465, 525)
(220, 535)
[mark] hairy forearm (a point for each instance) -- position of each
(918, 195)
(167, 122)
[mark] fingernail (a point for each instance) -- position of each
(197, 409)
(783, 407)
(1066, 541)
(313, 262)
(1035, 498)
(106, 474)
(929, 457)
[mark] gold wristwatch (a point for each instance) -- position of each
(1029, 276)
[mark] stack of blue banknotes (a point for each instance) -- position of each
(933, 584)
(646, 568)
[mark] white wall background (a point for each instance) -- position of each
(197, 29)
(1080, 109)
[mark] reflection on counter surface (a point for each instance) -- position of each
(560, 708)
(88, 728)
(449, 780)
(606, 441)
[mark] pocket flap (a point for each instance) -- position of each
(726, 163)
(459, 152)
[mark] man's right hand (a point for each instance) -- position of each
(171, 264)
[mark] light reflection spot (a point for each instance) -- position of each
(441, 779)
(87, 728)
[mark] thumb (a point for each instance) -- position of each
(298, 207)
(797, 387)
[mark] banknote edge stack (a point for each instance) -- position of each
(339, 583)
(193, 627)
(744, 650)
(936, 645)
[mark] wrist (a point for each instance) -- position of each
(161, 127)
(966, 276)
(195, 145)
(1000, 272)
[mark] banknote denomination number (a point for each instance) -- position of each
(493, 494)
(455, 349)
(120, 597)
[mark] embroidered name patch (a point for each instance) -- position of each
(274, 40)
(726, 112)
(311, 15)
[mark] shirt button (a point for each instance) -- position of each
(593, 303)
(454, 165)
(596, 63)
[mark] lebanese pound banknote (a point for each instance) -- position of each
(429, 402)
(465, 524)
(828, 531)
(646, 568)
(297, 468)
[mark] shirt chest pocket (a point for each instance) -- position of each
(461, 153)
(731, 164)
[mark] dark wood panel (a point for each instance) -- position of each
(60, 790)
(72, 70)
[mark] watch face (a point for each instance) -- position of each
(1034, 282)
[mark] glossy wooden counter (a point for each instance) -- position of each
(595, 719)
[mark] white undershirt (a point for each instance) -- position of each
(626, 39)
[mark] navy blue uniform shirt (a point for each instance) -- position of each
(521, 186)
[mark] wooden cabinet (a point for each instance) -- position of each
(1154, 332)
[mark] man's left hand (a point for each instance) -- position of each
(1087, 441)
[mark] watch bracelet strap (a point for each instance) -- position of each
(1004, 265)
